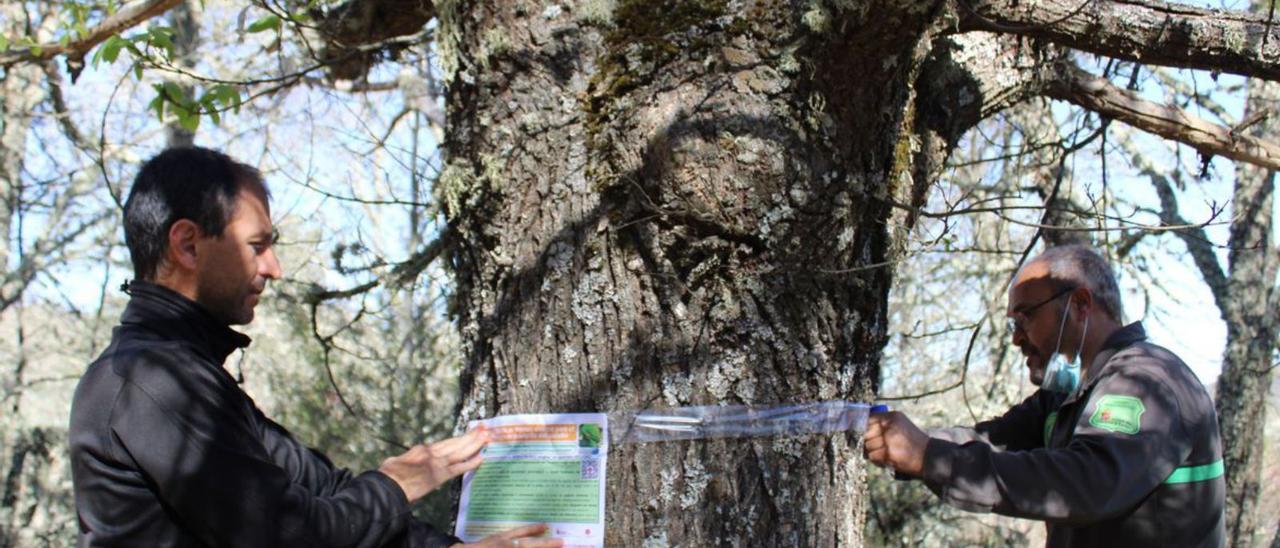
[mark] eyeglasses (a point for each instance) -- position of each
(1019, 319)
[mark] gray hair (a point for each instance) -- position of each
(1082, 266)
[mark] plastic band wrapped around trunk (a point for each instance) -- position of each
(739, 421)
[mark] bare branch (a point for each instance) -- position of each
(1099, 95)
(1130, 226)
(61, 111)
(75, 50)
(45, 253)
(1146, 31)
(402, 273)
(1197, 242)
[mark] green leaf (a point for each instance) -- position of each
(228, 95)
(4, 43)
(209, 102)
(133, 48)
(162, 33)
(137, 71)
(157, 104)
(186, 118)
(162, 37)
(110, 50)
(190, 122)
(174, 92)
(269, 22)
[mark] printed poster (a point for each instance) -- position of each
(539, 469)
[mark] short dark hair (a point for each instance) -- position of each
(1082, 266)
(192, 183)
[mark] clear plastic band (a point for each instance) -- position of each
(739, 421)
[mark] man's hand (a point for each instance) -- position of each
(892, 440)
(523, 537)
(423, 468)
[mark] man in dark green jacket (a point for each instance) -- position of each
(1118, 447)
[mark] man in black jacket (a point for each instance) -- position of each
(1121, 449)
(167, 450)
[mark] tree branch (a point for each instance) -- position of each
(1076, 86)
(363, 22)
(402, 273)
(62, 112)
(75, 50)
(40, 258)
(1197, 242)
(1146, 31)
(970, 77)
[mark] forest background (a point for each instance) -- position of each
(358, 349)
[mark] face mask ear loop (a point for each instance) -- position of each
(1082, 336)
(1062, 326)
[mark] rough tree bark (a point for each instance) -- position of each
(672, 203)
(1250, 313)
(686, 207)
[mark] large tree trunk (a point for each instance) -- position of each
(1251, 331)
(681, 203)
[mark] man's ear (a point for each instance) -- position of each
(182, 244)
(1082, 299)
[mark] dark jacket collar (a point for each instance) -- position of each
(171, 315)
(1123, 337)
(1119, 340)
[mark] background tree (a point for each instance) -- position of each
(1245, 294)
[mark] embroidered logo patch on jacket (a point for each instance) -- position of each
(1118, 414)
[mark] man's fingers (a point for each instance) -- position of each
(878, 457)
(459, 468)
(874, 427)
(529, 536)
(539, 543)
(873, 444)
(447, 447)
(524, 532)
(470, 445)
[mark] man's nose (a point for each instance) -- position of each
(269, 265)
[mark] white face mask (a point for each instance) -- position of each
(1063, 374)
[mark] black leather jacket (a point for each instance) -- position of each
(167, 450)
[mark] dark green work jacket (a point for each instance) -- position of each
(1132, 458)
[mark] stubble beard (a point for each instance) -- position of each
(229, 307)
